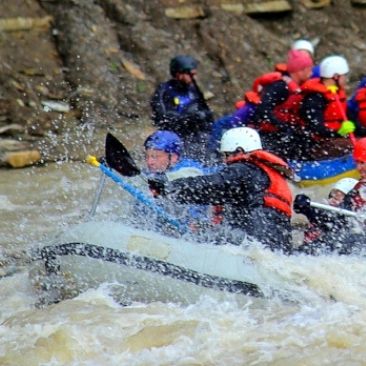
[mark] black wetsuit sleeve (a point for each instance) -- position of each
(226, 186)
(271, 96)
(198, 117)
(312, 111)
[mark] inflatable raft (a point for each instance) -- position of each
(324, 172)
(146, 266)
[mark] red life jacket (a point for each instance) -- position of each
(266, 79)
(249, 97)
(253, 96)
(281, 67)
(332, 113)
(288, 111)
(278, 195)
(360, 98)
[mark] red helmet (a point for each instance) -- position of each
(359, 152)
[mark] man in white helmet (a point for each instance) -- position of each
(251, 188)
(323, 110)
(326, 231)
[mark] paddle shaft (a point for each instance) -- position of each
(97, 196)
(139, 196)
(337, 210)
(199, 91)
(344, 115)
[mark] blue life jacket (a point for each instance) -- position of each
(237, 119)
(182, 102)
(186, 163)
(182, 99)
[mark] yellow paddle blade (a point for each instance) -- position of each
(92, 160)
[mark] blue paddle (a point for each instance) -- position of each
(137, 194)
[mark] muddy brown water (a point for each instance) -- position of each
(322, 322)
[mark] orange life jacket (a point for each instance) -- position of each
(333, 116)
(360, 98)
(278, 195)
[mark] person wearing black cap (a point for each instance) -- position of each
(178, 105)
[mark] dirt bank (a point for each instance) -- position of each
(71, 69)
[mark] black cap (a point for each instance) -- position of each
(182, 63)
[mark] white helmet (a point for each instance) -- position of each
(244, 137)
(303, 44)
(333, 65)
(345, 185)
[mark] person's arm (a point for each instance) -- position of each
(325, 220)
(219, 188)
(208, 189)
(312, 111)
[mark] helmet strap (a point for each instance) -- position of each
(336, 79)
(170, 161)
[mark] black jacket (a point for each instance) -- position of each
(312, 112)
(272, 95)
(287, 142)
(180, 108)
(240, 188)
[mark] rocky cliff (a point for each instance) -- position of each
(70, 69)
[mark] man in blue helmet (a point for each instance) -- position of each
(163, 156)
(178, 105)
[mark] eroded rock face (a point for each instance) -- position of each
(71, 69)
(21, 159)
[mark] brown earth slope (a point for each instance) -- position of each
(99, 61)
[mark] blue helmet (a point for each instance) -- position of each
(182, 63)
(167, 141)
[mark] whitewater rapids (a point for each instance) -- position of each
(321, 321)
